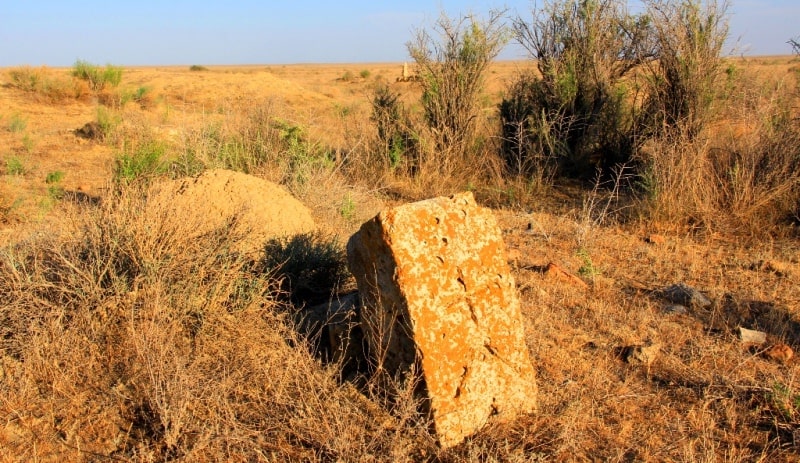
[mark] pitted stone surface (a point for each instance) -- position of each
(437, 293)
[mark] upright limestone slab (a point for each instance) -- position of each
(437, 293)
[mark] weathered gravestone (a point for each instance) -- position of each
(438, 296)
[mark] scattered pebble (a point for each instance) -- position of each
(684, 294)
(752, 336)
(644, 354)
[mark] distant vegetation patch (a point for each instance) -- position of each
(348, 76)
(197, 67)
(97, 77)
(15, 166)
(17, 123)
(42, 82)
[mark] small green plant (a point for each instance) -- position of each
(197, 68)
(348, 76)
(123, 97)
(107, 120)
(302, 155)
(243, 147)
(348, 208)
(343, 110)
(588, 269)
(395, 137)
(785, 401)
(97, 77)
(396, 152)
(14, 166)
(54, 188)
(141, 96)
(310, 266)
(54, 178)
(142, 163)
(17, 123)
(28, 143)
(187, 164)
(365, 73)
(141, 93)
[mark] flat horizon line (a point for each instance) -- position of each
(344, 63)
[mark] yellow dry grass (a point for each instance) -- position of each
(123, 340)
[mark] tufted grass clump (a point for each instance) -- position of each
(47, 84)
(141, 162)
(310, 266)
(97, 77)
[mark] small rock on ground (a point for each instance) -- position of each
(779, 352)
(643, 354)
(676, 309)
(684, 294)
(752, 336)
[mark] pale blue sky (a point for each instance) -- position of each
(153, 32)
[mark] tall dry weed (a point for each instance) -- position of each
(452, 67)
(138, 339)
(746, 185)
(683, 83)
(740, 175)
(48, 85)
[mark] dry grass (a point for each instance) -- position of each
(43, 83)
(706, 397)
(133, 338)
(128, 336)
(125, 335)
(743, 175)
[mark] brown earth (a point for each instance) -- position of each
(251, 209)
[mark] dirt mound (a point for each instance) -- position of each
(253, 209)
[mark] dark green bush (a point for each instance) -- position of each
(310, 266)
(577, 113)
(683, 84)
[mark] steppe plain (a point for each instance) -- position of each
(704, 396)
